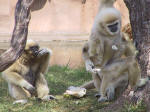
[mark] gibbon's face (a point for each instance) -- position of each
(110, 26)
(32, 48)
(113, 27)
(109, 22)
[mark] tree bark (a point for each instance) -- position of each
(140, 23)
(19, 37)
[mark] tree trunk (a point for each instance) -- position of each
(139, 11)
(19, 37)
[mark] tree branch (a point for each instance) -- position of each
(19, 37)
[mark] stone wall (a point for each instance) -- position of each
(62, 25)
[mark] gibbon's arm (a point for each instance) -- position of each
(41, 86)
(135, 72)
(44, 57)
(15, 78)
(130, 48)
(88, 63)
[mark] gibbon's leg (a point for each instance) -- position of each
(88, 85)
(116, 71)
(112, 75)
(134, 74)
(135, 79)
(89, 67)
(42, 88)
(15, 78)
(44, 57)
(18, 93)
(110, 93)
(97, 81)
(92, 48)
(103, 88)
(115, 87)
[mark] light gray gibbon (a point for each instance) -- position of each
(106, 45)
(26, 76)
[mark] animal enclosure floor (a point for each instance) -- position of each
(59, 79)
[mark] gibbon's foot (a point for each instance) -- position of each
(48, 98)
(23, 101)
(102, 99)
(32, 90)
(97, 95)
(29, 87)
(110, 96)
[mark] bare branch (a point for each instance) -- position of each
(20, 32)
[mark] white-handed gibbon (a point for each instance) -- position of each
(106, 26)
(113, 19)
(26, 76)
(118, 72)
(107, 44)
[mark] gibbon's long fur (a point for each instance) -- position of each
(105, 21)
(106, 45)
(26, 76)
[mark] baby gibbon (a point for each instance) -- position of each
(26, 76)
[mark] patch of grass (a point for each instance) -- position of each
(140, 107)
(59, 79)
